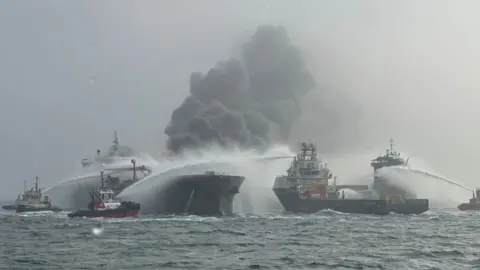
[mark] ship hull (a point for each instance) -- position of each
(9, 207)
(468, 206)
(203, 195)
(292, 202)
(121, 212)
(27, 208)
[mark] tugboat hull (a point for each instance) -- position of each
(9, 207)
(468, 206)
(293, 203)
(28, 208)
(121, 212)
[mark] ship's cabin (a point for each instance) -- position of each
(114, 152)
(106, 195)
(33, 194)
(106, 200)
(306, 164)
(390, 158)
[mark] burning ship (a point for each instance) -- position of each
(306, 188)
(208, 194)
(381, 186)
(118, 166)
(118, 177)
(196, 194)
(115, 153)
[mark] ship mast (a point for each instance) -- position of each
(101, 176)
(115, 141)
(134, 170)
(37, 190)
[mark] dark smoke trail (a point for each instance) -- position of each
(248, 102)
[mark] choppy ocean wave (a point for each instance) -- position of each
(437, 239)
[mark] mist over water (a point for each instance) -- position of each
(256, 195)
(327, 97)
(441, 191)
(417, 176)
(72, 71)
(260, 169)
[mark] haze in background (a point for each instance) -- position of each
(71, 72)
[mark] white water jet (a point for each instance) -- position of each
(350, 193)
(438, 177)
(94, 171)
(443, 193)
(259, 170)
(73, 180)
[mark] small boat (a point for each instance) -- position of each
(103, 204)
(33, 201)
(473, 204)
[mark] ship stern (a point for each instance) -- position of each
(203, 195)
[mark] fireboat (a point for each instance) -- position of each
(33, 201)
(473, 204)
(103, 204)
(306, 188)
(381, 185)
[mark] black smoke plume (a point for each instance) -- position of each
(248, 102)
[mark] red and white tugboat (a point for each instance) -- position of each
(103, 204)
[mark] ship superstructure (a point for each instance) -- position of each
(307, 175)
(473, 204)
(33, 200)
(390, 158)
(103, 204)
(381, 185)
(118, 166)
(116, 152)
(120, 177)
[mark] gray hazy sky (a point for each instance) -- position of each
(72, 71)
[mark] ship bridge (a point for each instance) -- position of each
(305, 169)
(114, 152)
(390, 158)
(306, 164)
